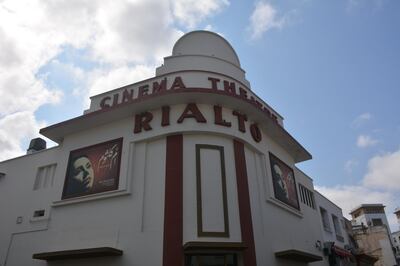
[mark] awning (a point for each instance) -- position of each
(203, 245)
(78, 253)
(298, 255)
(341, 252)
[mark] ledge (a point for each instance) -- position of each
(363, 257)
(91, 197)
(199, 245)
(57, 132)
(297, 255)
(285, 207)
(78, 254)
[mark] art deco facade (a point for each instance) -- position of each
(187, 168)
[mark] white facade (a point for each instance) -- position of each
(332, 230)
(334, 234)
(194, 176)
(370, 215)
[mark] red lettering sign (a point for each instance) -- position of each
(142, 122)
(255, 132)
(218, 120)
(192, 111)
(241, 118)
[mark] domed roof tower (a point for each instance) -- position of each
(203, 50)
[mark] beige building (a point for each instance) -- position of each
(374, 241)
(372, 233)
(396, 237)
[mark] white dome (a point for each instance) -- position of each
(205, 43)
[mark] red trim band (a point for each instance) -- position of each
(173, 208)
(246, 223)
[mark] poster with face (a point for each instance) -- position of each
(283, 182)
(93, 169)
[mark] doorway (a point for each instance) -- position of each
(211, 260)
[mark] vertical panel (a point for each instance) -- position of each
(153, 186)
(44, 177)
(173, 234)
(47, 173)
(212, 211)
(39, 178)
(53, 170)
(246, 223)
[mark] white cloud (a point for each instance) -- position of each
(353, 5)
(22, 91)
(365, 141)
(264, 18)
(134, 32)
(384, 171)
(15, 128)
(361, 119)
(122, 38)
(191, 12)
(381, 184)
(209, 27)
(349, 197)
(100, 81)
(350, 165)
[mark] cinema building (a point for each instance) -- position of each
(187, 168)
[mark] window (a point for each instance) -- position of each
(44, 177)
(211, 260)
(307, 196)
(377, 222)
(338, 230)
(343, 224)
(38, 213)
(325, 219)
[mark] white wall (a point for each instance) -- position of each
(130, 219)
(366, 219)
(189, 184)
(331, 208)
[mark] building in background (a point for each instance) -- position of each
(372, 233)
(396, 237)
(189, 168)
(370, 215)
(334, 233)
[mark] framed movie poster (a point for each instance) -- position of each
(283, 182)
(93, 169)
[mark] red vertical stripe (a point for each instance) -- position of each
(173, 220)
(246, 224)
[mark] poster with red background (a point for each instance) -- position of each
(284, 182)
(93, 169)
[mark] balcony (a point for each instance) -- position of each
(340, 238)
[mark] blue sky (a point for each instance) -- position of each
(331, 68)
